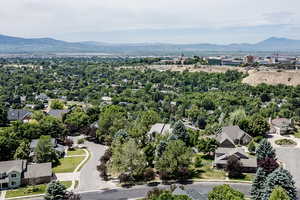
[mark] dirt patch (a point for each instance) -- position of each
(273, 77)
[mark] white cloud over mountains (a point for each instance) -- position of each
(67, 18)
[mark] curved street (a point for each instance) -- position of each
(89, 178)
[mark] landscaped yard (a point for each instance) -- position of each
(32, 190)
(245, 177)
(68, 164)
(76, 152)
(286, 142)
(206, 171)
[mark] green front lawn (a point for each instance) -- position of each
(32, 190)
(76, 152)
(68, 164)
(297, 134)
(245, 177)
(206, 171)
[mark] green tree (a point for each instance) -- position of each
(55, 191)
(3, 116)
(225, 192)
(57, 104)
(258, 126)
(207, 145)
(265, 150)
(257, 189)
(53, 127)
(280, 177)
(22, 152)
(234, 167)
(176, 155)
(236, 116)
(44, 151)
(128, 158)
(76, 120)
(251, 147)
(279, 193)
(180, 132)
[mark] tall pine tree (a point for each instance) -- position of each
(180, 132)
(265, 150)
(280, 177)
(257, 189)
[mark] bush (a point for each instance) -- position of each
(183, 173)
(125, 178)
(257, 139)
(285, 142)
(164, 176)
(234, 167)
(198, 161)
(80, 141)
(101, 167)
(149, 174)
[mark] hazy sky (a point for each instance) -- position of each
(179, 21)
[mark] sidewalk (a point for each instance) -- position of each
(2, 196)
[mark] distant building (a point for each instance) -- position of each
(160, 128)
(249, 59)
(214, 61)
(232, 62)
(18, 115)
(281, 126)
(15, 173)
(57, 113)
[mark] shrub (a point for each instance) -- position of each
(234, 167)
(268, 164)
(285, 142)
(149, 174)
(101, 167)
(183, 173)
(80, 141)
(164, 176)
(257, 139)
(198, 161)
(125, 178)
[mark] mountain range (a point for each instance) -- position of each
(10, 44)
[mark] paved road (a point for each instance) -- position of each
(291, 159)
(89, 176)
(136, 192)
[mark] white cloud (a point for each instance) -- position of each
(32, 18)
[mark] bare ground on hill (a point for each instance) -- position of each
(268, 76)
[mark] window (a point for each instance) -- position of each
(13, 175)
(13, 183)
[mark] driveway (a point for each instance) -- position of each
(290, 157)
(89, 178)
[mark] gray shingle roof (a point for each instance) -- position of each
(34, 143)
(231, 133)
(57, 113)
(281, 122)
(160, 128)
(12, 165)
(17, 114)
(38, 170)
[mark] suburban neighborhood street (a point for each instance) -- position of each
(89, 178)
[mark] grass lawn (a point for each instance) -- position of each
(206, 171)
(297, 134)
(68, 164)
(245, 177)
(32, 190)
(76, 152)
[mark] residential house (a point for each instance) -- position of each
(160, 128)
(18, 115)
(60, 149)
(281, 126)
(15, 173)
(191, 193)
(57, 113)
(231, 141)
(42, 97)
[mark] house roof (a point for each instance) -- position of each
(191, 193)
(281, 122)
(160, 128)
(34, 143)
(57, 113)
(17, 114)
(232, 133)
(38, 170)
(13, 165)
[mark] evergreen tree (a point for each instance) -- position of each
(225, 192)
(279, 194)
(257, 189)
(281, 177)
(265, 150)
(180, 132)
(55, 191)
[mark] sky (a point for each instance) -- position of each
(152, 21)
